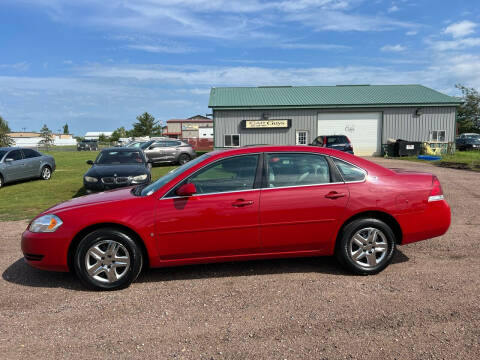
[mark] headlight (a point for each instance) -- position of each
(90, 179)
(45, 223)
(139, 178)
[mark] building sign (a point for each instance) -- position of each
(266, 124)
(187, 127)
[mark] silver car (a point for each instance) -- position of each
(170, 151)
(19, 164)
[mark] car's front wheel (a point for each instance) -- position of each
(1, 181)
(108, 259)
(366, 246)
(46, 173)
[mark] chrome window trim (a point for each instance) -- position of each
(300, 186)
(216, 193)
(213, 162)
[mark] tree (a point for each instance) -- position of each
(65, 129)
(146, 126)
(5, 140)
(468, 114)
(103, 138)
(119, 133)
(47, 136)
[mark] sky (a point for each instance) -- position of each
(96, 65)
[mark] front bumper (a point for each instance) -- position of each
(46, 251)
(100, 186)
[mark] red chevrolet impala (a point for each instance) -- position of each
(241, 204)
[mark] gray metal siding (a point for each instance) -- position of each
(397, 123)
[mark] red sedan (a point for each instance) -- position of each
(241, 204)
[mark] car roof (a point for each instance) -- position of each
(358, 161)
(122, 149)
(10, 148)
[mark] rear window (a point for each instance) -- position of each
(337, 140)
(349, 172)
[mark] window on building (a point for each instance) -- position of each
(437, 135)
(232, 140)
(301, 137)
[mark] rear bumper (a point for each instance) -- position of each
(46, 251)
(432, 222)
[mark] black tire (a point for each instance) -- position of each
(46, 173)
(100, 241)
(183, 158)
(370, 255)
(1, 181)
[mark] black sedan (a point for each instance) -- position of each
(468, 141)
(117, 167)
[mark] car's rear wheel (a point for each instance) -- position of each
(366, 246)
(183, 158)
(46, 173)
(108, 259)
(1, 181)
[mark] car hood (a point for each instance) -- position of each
(117, 170)
(98, 198)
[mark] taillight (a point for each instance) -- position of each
(436, 193)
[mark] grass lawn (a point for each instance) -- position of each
(24, 200)
(469, 160)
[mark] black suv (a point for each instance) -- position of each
(87, 145)
(469, 141)
(337, 142)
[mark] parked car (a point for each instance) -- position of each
(117, 167)
(87, 145)
(242, 204)
(21, 163)
(170, 151)
(337, 142)
(468, 141)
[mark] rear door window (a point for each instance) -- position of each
(29, 153)
(349, 172)
(297, 169)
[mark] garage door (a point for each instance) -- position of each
(363, 130)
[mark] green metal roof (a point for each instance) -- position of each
(327, 96)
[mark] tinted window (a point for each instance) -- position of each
(15, 155)
(172, 143)
(337, 140)
(297, 169)
(119, 157)
(29, 153)
(2, 153)
(318, 140)
(231, 174)
(349, 172)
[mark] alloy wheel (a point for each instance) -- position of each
(46, 173)
(368, 247)
(107, 261)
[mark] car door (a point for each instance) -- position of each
(170, 150)
(155, 152)
(221, 219)
(15, 169)
(301, 204)
(32, 162)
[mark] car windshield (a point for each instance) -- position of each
(150, 189)
(113, 157)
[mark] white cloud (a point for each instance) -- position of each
(20, 66)
(169, 49)
(455, 44)
(411, 33)
(303, 46)
(393, 8)
(460, 29)
(393, 48)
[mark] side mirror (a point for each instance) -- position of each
(186, 190)
(89, 162)
(8, 160)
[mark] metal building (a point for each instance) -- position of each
(367, 114)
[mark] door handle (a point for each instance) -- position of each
(242, 203)
(334, 195)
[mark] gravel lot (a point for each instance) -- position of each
(426, 305)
